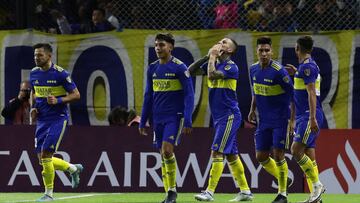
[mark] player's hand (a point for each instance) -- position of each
(252, 117)
(33, 115)
(142, 131)
(291, 69)
(215, 50)
(52, 100)
(186, 131)
(291, 127)
(314, 127)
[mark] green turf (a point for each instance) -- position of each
(157, 197)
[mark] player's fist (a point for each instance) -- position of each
(314, 127)
(186, 130)
(252, 117)
(142, 131)
(33, 115)
(291, 69)
(52, 100)
(292, 127)
(215, 50)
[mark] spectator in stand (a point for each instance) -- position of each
(284, 20)
(266, 14)
(7, 14)
(42, 17)
(109, 15)
(330, 16)
(121, 117)
(226, 15)
(18, 108)
(137, 18)
(305, 14)
(206, 14)
(97, 24)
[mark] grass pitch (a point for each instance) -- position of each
(158, 197)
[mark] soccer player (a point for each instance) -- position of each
(272, 90)
(309, 114)
(169, 98)
(222, 77)
(52, 89)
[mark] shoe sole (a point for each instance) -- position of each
(317, 200)
(202, 200)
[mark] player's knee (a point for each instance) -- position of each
(167, 154)
(231, 157)
(278, 154)
(46, 154)
(296, 152)
(215, 154)
(261, 157)
(167, 150)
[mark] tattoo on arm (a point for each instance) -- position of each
(194, 68)
(213, 74)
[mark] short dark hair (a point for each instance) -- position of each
(167, 37)
(305, 44)
(263, 40)
(236, 46)
(118, 115)
(102, 11)
(46, 46)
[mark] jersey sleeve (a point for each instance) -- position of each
(204, 67)
(186, 82)
(148, 99)
(285, 81)
(310, 73)
(230, 71)
(251, 75)
(68, 83)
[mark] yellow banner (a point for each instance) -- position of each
(110, 68)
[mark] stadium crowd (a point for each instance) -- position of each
(253, 15)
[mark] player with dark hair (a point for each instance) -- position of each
(309, 114)
(222, 75)
(272, 91)
(52, 90)
(169, 97)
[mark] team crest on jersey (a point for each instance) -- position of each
(227, 68)
(254, 78)
(286, 79)
(307, 72)
(154, 75)
(68, 79)
(187, 73)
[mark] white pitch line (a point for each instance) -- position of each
(66, 197)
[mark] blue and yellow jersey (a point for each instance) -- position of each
(308, 72)
(169, 93)
(55, 81)
(273, 91)
(222, 92)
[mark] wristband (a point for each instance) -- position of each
(59, 100)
